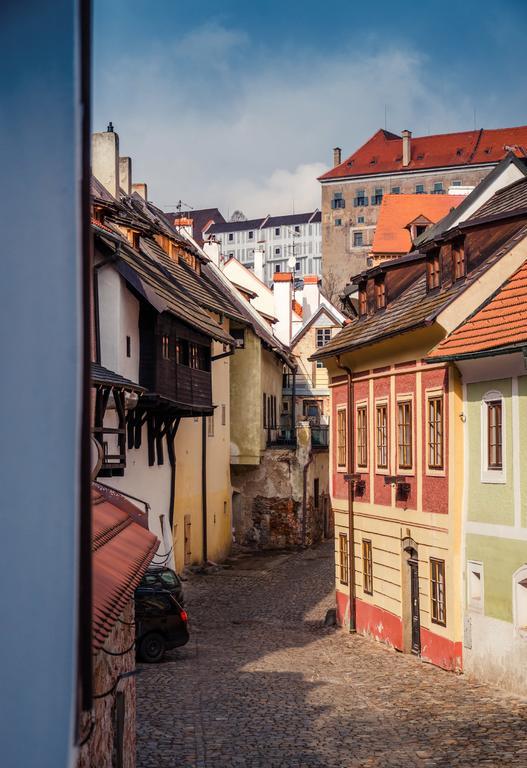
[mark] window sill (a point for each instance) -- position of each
(493, 477)
(429, 472)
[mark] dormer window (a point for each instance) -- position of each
(363, 300)
(458, 260)
(135, 240)
(433, 271)
(380, 293)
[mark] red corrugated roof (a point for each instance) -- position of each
(122, 551)
(501, 322)
(383, 153)
(397, 211)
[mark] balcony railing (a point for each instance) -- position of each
(319, 436)
(286, 437)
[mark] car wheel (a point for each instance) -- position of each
(152, 648)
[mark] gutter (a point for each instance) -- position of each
(351, 512)
(478, 355)
(204, 486)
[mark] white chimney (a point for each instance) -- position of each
(259, 253)
(184, 223)
(125, 174)
(283, 305)
(141, 190)
(105, 159)
(310, 296)
(212, 249)
(337, 156)
(407, 149)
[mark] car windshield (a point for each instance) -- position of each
(169, 578)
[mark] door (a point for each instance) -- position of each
(414, 592)
(188, 550)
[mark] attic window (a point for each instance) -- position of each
(350, 163)
(433, 271)
(488, 150)
(135, 240)
(380, 293)
(458, 260)
(459, 151)
(374, 160)
(363, 301)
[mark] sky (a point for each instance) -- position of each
(237, 105)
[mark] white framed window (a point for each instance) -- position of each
(519, 601)
(493, 438)
(475, 586)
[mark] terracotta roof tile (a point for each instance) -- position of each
(382, 153)
(397, 211)
(122, 551)
(501, 322)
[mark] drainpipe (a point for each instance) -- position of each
(204, 485)
(351, 517)
(304, 495)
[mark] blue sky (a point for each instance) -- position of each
(238, 104)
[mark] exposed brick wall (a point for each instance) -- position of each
(98, 752)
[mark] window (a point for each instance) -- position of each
(380, 293)
(433, 271)
(277, 268)
(405, 435)
(312, 409)
(341, 437)
(338, 201)
(458, 258)
(250, 235)
(362, 437)
(438, 188)
(223, 415)
(419, 189)
(277, 231)
(277, 251)
(199, 357)
(382, 436)
(475, 586)
(377, 197)
(231, 237)
(128, 346)
(363, 300)
(367, 567)
(396, 190)
(338, 222)
(437, 591)
(456, 183)
(297, 266)
(360, 219)
(210, 422)
(435, 432)
(320, 364)
(238, 334)
(358, 240)
(343, 558)
(495, 437)
(182, 352)
(316, 493)
(360, 199)
(165, 347)
(297, 228)
(323, 336)
(135, 240)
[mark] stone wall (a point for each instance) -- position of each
(271, 504)
(100, 751)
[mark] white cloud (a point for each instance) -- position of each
(215, 120)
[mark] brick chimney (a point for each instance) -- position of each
(310, 296)
(125, 174)
(337, 156)
(141, 190)
(259, 261)
(283, 305)
(407, 148)
(105, 159)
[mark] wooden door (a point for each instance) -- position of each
(414, 591)
(188, 550)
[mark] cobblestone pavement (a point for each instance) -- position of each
(262, 683)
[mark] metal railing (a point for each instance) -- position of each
(319, 436)
(285, 437)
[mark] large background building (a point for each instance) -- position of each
(353, 189)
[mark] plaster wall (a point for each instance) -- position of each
(497, 656)
(246, 402)
(118, 318)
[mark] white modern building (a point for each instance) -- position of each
(286, 243)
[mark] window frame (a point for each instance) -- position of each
(433, 271)
(363, 300)
(356, 235)
(380, 293)
(342, 433)
(435, 396)
(379, 467)
(343, 559)
(438, 605)
(367, 566)
(405, 400)
(324, 332)
(493, 474)
(165, 346)
(361, 435)
(459, 264)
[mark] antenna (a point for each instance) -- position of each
(385, 117)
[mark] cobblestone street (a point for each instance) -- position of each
(262, 683)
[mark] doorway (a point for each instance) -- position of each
(410, 598)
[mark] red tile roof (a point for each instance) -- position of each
(122, 551)
(383, 153)
(501, 322)
(398, 211)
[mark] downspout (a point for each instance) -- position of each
(351, 516)
(204, 485)
(304, 495)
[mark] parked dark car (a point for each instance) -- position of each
(159, 577)
(161, 622)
